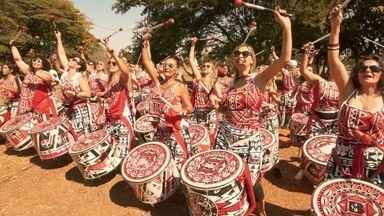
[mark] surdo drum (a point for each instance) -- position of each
(142, 107)
(17, 130)
(348, 197)
(94, 154)
(217, 183)
(317, 151)
(52, 138)
(145, 127)
(151, 172)
(298, 129)
(199, 138)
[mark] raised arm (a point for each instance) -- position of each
(147, 62)
(61, 51)
(192, 59)
(336, 67)
(23, 67)
(286, 51)
(305, 62)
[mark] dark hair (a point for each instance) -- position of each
(45, 62)
(360, 64)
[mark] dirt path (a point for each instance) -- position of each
(30, 187)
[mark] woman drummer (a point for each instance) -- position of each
(201, 85)
(324, 109)
(8, 91)
(36, 90)
(175, 96)
(241, 107)
(360, 141)
(118, 112)
(76, 90)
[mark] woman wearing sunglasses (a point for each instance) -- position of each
(360, 142)
(76, 90)
(36, 90)
(201, 85)
(241, 106)
(176, 102)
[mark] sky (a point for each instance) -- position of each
(100, 13)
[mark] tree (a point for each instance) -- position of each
(221, 18)
(42, 17)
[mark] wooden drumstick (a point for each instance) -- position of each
(374, 42)
(239, 3)
(321, 38)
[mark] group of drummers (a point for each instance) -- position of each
(216, 135)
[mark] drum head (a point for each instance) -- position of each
(145, 162)
(47, 125)
(340, 197)
(319, 148)
(144, 124)
(16, 122)
(211, 169)
(197, 133)
(84, 143)
(266, 137)
(300, 118)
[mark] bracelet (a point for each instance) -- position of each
(333, 45)
(333, 49)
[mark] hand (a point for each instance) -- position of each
(284, 21)
(194, 40)
(308, 48)
(147, 36)
(11, 42)
(336, 16)
(58, 34)
(70, 93)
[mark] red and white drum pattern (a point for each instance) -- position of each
(348, 197)
(151, 172)
(317, 152)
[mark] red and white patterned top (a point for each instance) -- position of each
(326, 96)
(289, 83)
(304, 98)
(32, 90)
(98, 82)
(6, 89)
(71, 84)
(242, 105)
(200, 95)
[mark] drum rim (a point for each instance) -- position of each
(201, 186)
(153, 175)
(310, 157)
(25, 119)
(50, 126)
(141, 117)
(71, 151)
(316, 192)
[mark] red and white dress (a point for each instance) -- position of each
(238, 132)
(174, 130)
(36, 95)
(323, 116)
(118, 117)
(9, 97)
(304, 98)
(200, 100)
(287, 101)
(359, 150)
(79, 110)
(98, 83)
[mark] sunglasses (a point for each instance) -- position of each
(169, 65)
(245, 54)
(77, 60)
(373, 68)
(37, 61)
(90, 63)
(206, 66)
(112, 63)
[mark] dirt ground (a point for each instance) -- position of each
(30, 187)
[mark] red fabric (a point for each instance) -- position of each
(42, 103)
(200, 96)
(118, 100)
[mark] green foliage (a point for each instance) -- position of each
(41, 17)
(222, 19)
